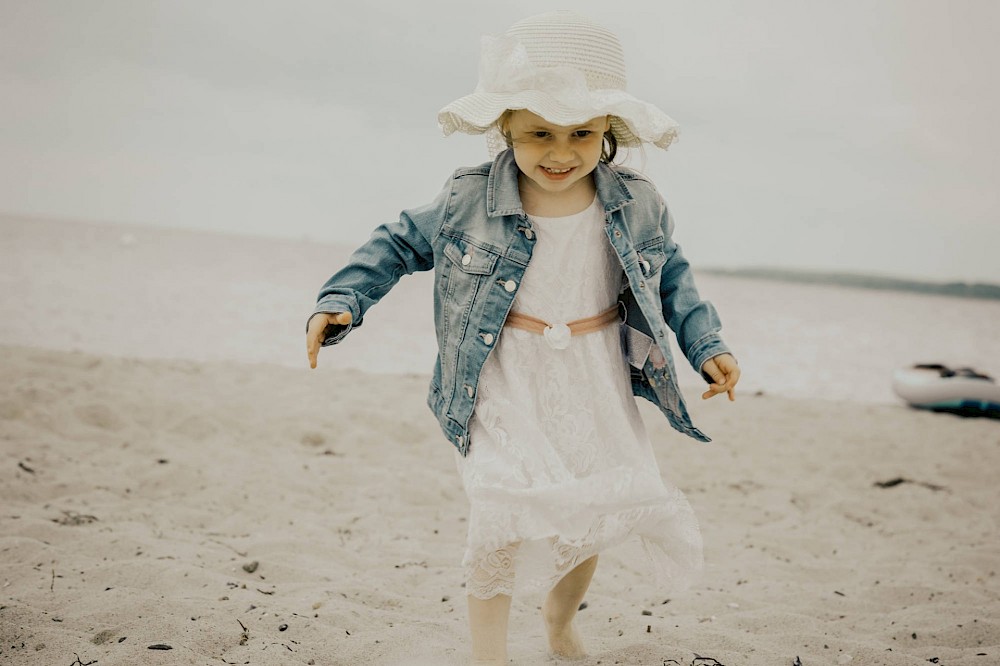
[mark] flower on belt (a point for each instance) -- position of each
(557, 336)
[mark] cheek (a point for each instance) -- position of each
(526, 155)
(520, 159)
(594, 147)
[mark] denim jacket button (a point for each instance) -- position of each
(466, 260)
(618, 234)
(469, 390)
(642, 285)
(510, 285)
(488, 338)
(529, 234)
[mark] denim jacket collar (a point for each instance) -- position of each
(504, 198)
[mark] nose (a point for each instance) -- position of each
(561, 151)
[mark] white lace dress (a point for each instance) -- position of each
(560, 466)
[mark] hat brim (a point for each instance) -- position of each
(633, 122)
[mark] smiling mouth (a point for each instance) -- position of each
(557, 174)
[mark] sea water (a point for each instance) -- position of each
(841, 343)
(154, 293)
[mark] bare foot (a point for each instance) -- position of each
(564, 640)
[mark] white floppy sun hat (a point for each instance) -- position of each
(567, 69)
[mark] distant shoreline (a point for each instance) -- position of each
(862, 281)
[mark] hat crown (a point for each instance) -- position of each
(567, 39)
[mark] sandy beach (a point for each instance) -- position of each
(172, 474)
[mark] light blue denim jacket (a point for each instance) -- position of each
(478, 239)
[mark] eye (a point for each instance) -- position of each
(582, 134)
(540, 134)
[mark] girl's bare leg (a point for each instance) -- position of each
(488, 617)
(560, 608)
(488, 623)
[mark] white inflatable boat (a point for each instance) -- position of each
(937, 387)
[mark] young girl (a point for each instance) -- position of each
(556, 279)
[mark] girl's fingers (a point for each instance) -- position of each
(314, 335)
(724, 381)
(711, 368)
(726, 375)
(713, 389)
(312, 349)
(734, 377)
(720, 381)
(317, 329)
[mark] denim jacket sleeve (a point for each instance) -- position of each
(394, 250)
(694, 321)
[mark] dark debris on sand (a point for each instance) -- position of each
(697, 661)
(899, 480)
(74, 518)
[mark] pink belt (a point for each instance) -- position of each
(557, 335)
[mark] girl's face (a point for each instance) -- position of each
(555, 159)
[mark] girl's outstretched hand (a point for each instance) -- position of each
(317, 329)
(724, 373)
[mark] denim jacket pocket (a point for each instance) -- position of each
(651, 257)
(469, 258)
(461, 278)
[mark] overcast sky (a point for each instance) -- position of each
(857, 135)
